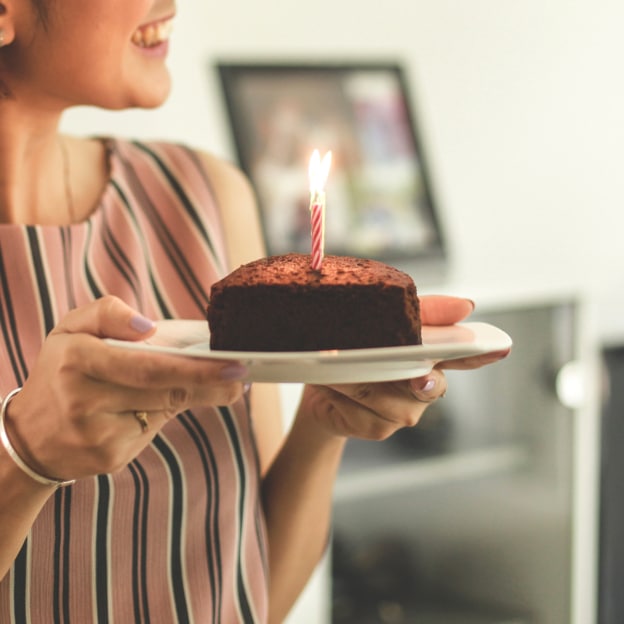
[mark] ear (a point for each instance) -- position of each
(7, 22)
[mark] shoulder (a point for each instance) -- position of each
(227, 179)
(178, 157)
(171, 150)
(223, 176)
(184, 165)
(238, 208)
(232, 192)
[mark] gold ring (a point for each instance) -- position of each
(142, 418)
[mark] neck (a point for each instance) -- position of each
(32, 172)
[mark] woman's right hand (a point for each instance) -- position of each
(75, 414)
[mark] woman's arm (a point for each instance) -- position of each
(297, 493)
(21, 500)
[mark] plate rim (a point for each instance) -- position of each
(487, 338)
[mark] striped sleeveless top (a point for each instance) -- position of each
(178, 535)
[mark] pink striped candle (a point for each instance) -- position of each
(318, 172)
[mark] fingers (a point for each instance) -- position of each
(429, 388)
(179, 382)
(444, 310)
(108, 317)
(377, 410)
(171, 398)
(144, 423)
(161, 381)
(96, 360)
(476, 361)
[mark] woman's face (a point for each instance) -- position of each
(107, 53)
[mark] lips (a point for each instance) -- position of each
(153, 34)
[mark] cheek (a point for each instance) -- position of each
(88, 74)
(114, 80)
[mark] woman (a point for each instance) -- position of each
(188, 503)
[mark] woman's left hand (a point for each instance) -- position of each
(377, 410)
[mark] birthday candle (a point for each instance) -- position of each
(318, 172)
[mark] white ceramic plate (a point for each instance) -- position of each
(191, 338)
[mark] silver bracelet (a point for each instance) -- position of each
(12, 453)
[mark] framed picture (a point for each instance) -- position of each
(379, 200)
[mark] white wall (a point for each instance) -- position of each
(521, 104)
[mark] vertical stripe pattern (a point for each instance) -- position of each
(178, 535)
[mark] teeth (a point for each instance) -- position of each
(153, 34)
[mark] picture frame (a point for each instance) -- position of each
(380, 202)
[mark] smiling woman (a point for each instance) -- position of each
(186, 495)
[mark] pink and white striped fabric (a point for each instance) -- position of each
(177, 536)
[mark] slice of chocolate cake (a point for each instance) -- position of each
(280, 304)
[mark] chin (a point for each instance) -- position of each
(154, 93)
(153, 102)
(151, 97)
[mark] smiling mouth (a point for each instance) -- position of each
(153, 34)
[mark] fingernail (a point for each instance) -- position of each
(429, 386)
(500, 355)
(246, 387)
(231, 372)
(472, 303)
(423, 385)
(141, 323)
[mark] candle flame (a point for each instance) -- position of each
(318, 171)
